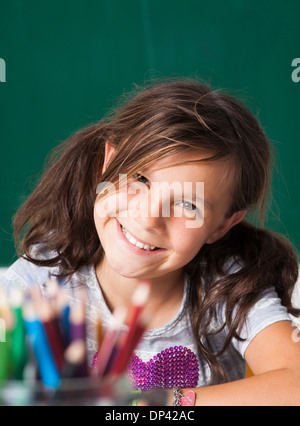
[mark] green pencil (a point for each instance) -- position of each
(6, 325)
(3, 361)
(17, 350)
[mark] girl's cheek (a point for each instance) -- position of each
(113, 205)
(188, 242)
(105, 207)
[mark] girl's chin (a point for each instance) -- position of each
(125, 266)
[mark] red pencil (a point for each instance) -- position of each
(136, 327)
(138, 301)
(53, 333)
(108, 345)
(130, 344)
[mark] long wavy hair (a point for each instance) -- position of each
(154, 122)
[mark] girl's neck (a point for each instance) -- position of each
(165, 297)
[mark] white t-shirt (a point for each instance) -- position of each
(166, 356)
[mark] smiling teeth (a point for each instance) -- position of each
(134, 242)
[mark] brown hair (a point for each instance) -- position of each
(155, 122)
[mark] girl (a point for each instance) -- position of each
(160, 191)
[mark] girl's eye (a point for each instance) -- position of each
(141, 178)
(188, 206)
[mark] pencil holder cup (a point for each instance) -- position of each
(79, 392)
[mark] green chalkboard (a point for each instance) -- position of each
(68, 61)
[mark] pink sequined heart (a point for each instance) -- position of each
(173, 367)
(188, 399)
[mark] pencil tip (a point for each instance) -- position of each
(141, 294)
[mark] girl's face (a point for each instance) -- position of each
(156, 222)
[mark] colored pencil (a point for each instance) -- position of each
(74, 360)
(107, 348)
(129, 343)
(63, 315)
(7, 322)
(138, 302)
(53, 334)
(36, 334)
(77, 321)
(18, 347)
(56, 332)
(99, 331)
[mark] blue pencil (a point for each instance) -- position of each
(38, 340)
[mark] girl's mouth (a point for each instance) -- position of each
(136, 243)
(147, 248)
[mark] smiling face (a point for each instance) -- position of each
(149, 231)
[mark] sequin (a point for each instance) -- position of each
(173, 367)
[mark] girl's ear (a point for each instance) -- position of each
(226, 226)
(109, 153)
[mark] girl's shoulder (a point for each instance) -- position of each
(23, 274)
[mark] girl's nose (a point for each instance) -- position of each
(150, 212)
(152, 223)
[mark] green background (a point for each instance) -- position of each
(68, 61)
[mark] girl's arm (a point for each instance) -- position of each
(274, 358)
